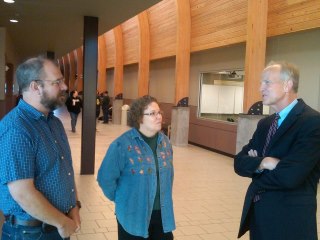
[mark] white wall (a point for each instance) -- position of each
(221, 99)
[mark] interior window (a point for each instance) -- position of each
(221, 95)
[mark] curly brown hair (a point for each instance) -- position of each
(137, 108)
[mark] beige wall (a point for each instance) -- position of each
(212, 60)
(303, 49)
(130, 81)
(11, 56)
(162, 80)
(110, 81)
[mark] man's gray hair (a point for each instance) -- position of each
(288, 71)
(30, 70)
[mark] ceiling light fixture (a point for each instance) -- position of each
(14, 20)
(9, 1)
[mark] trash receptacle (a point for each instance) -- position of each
(124, 112)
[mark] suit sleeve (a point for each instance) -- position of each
(244, 165)
(301, 162)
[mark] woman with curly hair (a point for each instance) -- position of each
(137, 174)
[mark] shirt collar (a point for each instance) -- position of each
(136, 134)
(31, 111)
(284, 112)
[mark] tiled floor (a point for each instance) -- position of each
(208, 195)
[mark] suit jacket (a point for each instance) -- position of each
(287, 208)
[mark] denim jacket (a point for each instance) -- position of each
(128, 177)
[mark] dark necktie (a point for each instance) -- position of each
(272, 131)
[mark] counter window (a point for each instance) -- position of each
(221, 95)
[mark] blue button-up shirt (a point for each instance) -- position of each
(284, 112)
(128, 177)
(35, 146)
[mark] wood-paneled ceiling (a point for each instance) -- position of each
(57, 25)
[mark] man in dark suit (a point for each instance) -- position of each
(281, 202)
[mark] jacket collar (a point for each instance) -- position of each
(290, 119)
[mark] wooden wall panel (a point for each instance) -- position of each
(213, 24)
(286, 16)
(111, 48)
(217, 23)
(162, 20)
(130, 33)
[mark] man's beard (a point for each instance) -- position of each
(53, 103)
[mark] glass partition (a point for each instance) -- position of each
(221, 95)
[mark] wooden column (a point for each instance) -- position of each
(180, 114)
(118, 66)
(183, 52)
(144, 54)
(79, 83)
(118, 76)
(102, 64)
(66, 69)
(72, 74)
(90, 60)
(255, 50)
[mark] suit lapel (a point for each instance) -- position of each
(289, 121)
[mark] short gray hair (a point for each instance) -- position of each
(288, 71)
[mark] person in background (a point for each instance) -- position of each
(283, 161)
(98, 105)
(105, 107)
(38, 192)
(137, 174)
(74, 105)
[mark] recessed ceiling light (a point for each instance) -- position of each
(14, 20)
(9, 1)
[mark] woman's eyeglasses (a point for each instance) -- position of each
(154, 114)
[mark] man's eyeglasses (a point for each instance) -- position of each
(52, 82)
(269, 82)
(154, 114)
